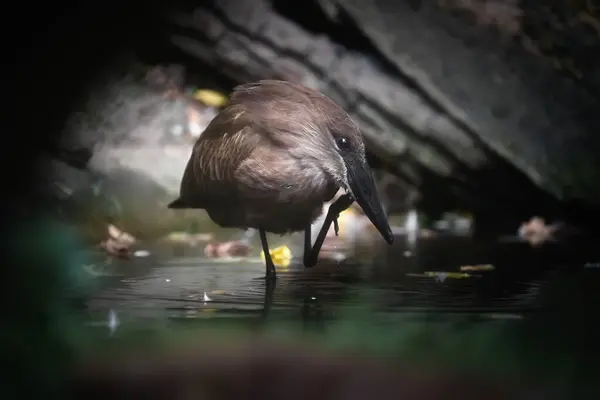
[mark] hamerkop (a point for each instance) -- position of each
(272, 158)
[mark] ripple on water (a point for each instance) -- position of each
(189, 286)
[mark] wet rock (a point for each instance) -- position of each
(447, 97)
(471, 73)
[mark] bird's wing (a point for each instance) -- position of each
(209, 176)
(264, 172)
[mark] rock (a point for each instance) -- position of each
(460, 112)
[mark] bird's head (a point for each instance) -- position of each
(310, 126)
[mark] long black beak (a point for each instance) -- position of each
(364, 191)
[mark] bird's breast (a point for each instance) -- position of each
(275, 193)
(293, 210)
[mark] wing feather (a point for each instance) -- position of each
(209, 176)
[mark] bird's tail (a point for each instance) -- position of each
(177, 204)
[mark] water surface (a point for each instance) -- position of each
(170, 285)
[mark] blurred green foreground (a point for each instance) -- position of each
(48, 332)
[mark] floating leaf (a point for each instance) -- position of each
(477, 267)
(441, 276)
(281, 256)
(452, 275)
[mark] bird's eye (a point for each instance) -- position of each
(343, 143)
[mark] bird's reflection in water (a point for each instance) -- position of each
(311, 311)
(312, 314)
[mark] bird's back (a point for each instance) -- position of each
(209, 175)
(241, 170)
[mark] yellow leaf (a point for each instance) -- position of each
(281, 256)
(211, 98)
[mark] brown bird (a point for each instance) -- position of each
(272, 158)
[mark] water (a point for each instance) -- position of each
(174, 286)
(532, 317)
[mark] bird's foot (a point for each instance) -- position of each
(343, 202)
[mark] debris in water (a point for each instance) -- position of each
(281, 256)
(444, 275)
(441, 276)
(477, 267)
(121, 236)
(536, 232)
(235, 248)
(118, 244)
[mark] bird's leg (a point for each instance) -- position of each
(311, 253)
(270, 267)
(268, 299)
